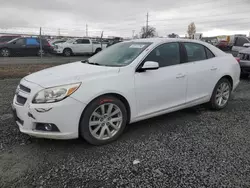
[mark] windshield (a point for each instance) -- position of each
(120, 54)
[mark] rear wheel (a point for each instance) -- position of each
(67, 52)
(5, 52)
(221, 94)
(103, 121)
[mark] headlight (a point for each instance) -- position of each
(55, 94)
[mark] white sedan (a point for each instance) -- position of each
(125, 83)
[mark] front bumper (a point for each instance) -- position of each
(58, 51)
(65, 115)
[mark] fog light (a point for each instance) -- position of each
(48, 127)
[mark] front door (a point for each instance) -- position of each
(82, 46)
(164, 88)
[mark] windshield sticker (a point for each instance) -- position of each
(136, 46)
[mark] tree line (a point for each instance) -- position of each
(149, 32)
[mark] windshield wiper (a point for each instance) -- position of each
(87, 61)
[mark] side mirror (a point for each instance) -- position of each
(149, 65)
(246, 45)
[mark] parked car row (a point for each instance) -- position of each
(16, 45)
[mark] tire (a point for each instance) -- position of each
(244, 75)
(5, 52)
(101, 121)
(98, 50)
(219, 94)
(67, 52)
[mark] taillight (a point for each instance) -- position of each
(238, 59)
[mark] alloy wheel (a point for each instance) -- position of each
(105, 121)
(5, 52)
(222, 94)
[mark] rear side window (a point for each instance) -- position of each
(209, 53)
(32, 41)
(195, 52)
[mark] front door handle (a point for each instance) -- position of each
(213, 68)
(180, 76)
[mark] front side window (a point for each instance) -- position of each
(165, 54)
(20, 41)
(85, 41)
(79, 41)
(195, 52)
(120, 54)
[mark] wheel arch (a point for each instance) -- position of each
(229, 78)
(116, 95)
(68, 48)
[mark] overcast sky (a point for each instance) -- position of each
(121, 17)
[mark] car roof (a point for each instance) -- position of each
(157, 41)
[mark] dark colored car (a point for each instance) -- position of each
(25, 46)
(7, 38)
(244, 56)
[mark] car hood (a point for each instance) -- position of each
(69, 73)
(245, 51)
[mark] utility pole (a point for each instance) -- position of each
(133, 34)
(86, 30)
(147, 26)
(41, 47)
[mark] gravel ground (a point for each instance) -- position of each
(190, 148)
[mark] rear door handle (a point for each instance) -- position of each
(180, 76)
(213, 68)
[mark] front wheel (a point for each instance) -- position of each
(5, 52)
(67, 52)
(103, 121)
(221, 94)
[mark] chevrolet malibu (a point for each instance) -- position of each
(128, 82)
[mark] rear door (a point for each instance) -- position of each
(202, 68)
(32, 46)
(164, 88)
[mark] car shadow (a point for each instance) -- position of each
(141, 130)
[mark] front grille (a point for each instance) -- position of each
(25, 89)
(20, 100)
(244, 56)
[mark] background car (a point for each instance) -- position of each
(244, 56)
(25, 46)
(78, 46)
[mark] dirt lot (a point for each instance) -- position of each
(190, 148)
